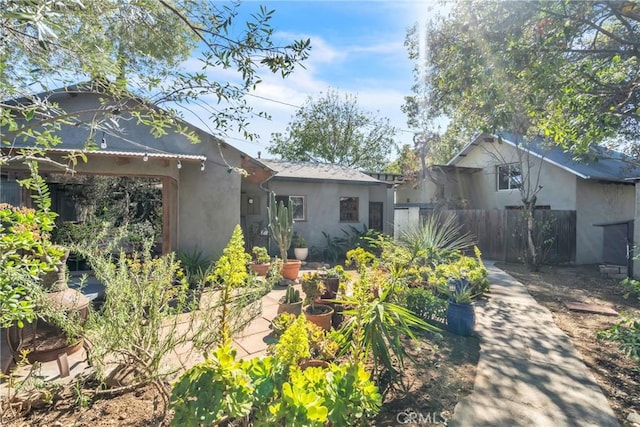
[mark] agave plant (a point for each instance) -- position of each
(436, 239)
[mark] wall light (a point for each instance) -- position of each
(202, 165)
(103, 143)
(179, 165)
(145, 158)
(250, 200)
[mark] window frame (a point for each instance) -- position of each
(293, 204)
(508, 169)
(357, 208)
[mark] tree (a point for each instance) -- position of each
(335, 130)
(133, 52)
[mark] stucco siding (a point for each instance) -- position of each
(322, 207)
(599, 203)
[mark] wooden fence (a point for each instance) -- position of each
(500, 233)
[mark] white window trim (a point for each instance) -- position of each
(509, 166)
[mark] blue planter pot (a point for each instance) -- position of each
(461, 318)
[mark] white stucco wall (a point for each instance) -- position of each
(599, 203)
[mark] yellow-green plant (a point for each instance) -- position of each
(293, 344)
(231, 273)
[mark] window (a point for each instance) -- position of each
(509, 177)
(10, 190)
(297, 203)
(349, 209)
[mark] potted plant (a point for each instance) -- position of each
(300, 248)
(332, 278)
(260, 260)
(313, 288)
(290, 302)
(461, 316)
(281, 230)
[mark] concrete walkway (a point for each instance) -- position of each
(529, 372)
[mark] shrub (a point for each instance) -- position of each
(424, 304)
(627, 333)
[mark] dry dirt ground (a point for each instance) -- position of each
(444, 368)
(617, 375)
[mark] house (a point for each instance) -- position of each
(325, 197)
(205, 191)
(200, 186)
(490, 171)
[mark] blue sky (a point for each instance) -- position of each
(357, 48)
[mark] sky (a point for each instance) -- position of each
(357, 47)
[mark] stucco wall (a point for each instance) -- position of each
(322, 204)
(599, 203)
(209, 200)
(558, 186)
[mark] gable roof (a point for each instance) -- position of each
(599, 164)
(313, 172)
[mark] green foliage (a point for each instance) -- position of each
(627, 333)
(280, 224)
(469, 268)
(562, 70)
(26, 252)
(281, 323)
(260, 255)
(336, 131)
(231, 267)
(632, 286)
(213, 391)
(312, 286)
(291, 295)
(375, 324)
(336, 247)
(196, 267)
(300, 242)
(293, 344)
(424, 304)
(436, 240)
(225, 389)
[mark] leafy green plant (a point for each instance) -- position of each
(436, 240)
(312, 287)
(280, 224)
(424, 304)
(627, 333)
(300, 242)
(632, 286)
(213, 391)
(260, 255)
(293, 344)
(375, 324)
(281, 323)
(27, 252)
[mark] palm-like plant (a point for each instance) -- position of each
(436, 239)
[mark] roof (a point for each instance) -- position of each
(599, 164)
(307, 171)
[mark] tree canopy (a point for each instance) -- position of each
(134, 51)
(334, 129)
(565, 70)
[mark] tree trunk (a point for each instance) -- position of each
(531, 252)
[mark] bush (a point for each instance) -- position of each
(424, 304)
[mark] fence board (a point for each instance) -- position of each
(499, 233)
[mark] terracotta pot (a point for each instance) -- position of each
(291, 269)
(321, 316)
(294, 308)
(260, 269)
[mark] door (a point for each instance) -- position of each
(375, 216)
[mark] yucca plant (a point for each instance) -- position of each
(435, 240)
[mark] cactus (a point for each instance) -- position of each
(291, 295)
(280, 225)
